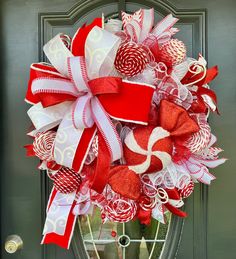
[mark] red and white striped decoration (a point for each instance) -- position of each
(127, 18)
(187, 190)
(199, 140)
(66, 40)
(173, 52)
(43, 145)
(148, 149)
(66, 180)
(119, 209)
(131, 59)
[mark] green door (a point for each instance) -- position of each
(207, 27)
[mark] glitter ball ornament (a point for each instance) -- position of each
(43, 145)
(66, 180)
(129, 187)
(119, 209)
(131, 59)
(173, 52)
(187, 190)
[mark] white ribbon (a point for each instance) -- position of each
(58, 212)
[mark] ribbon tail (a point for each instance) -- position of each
(144, 216)
(29, 150)
(158, 213)
(63, 240)
(107, 129)
(205, 177)
(176, 211)
(101, 173)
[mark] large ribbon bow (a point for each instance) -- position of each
(86, 81)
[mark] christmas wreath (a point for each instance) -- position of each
(120, 122)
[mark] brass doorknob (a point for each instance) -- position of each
(13, 243)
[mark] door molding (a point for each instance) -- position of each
(197, 19)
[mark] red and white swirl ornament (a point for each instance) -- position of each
(131, 59)
(119, 209)
(43, 145)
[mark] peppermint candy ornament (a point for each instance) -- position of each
(148, 149)
(173, 52)
(66, 180)
(131, 59)
(43, 145)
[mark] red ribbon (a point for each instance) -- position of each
(179, 123)
(199, 106)
(101, 174)
(174, 195)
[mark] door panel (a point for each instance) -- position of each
(209, 231)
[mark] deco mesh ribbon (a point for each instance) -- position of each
(120, 122)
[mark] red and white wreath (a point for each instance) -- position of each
(120, 122)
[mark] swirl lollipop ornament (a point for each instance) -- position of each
(131, 59)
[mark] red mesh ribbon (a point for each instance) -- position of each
(125, 182)
(176, 120)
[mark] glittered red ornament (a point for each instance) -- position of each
(131, 59)
(187, 190)
(148, 149)
(43, 145)
(125, 182)
(66, 180)
(173, 52)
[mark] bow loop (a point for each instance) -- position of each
(179, 123)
